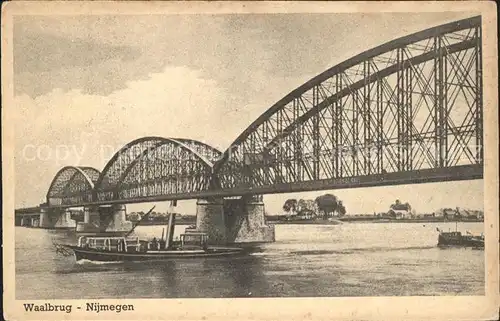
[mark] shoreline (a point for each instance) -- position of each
(338, 222)
(165, 223)
(335, 222)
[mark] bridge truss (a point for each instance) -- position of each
(156, 166)
(145, 169)
(72, 185)
(407, 111)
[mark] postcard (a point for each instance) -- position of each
(250, 160)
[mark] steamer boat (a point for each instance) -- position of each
(456, 238)
(125, 248)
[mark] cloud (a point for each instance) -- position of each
(73, 128)
(100, 54)
(55, 52)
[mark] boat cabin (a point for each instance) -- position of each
(192, 240)
(115, 244)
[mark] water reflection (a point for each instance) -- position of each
(244, 275)
(202, 278)
(350, 260)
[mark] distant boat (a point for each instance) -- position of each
(456, 238)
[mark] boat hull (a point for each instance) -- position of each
(461, 241)
(113, 256)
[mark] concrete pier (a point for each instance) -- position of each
(245, 221)
(91, 220)
(230, 221)
(64, 220)
(55, 218)
(28, 220)
(100, 219)
(45, 217)
(210, 219)
(115, 219)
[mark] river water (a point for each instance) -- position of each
(353, 259)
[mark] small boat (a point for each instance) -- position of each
(456, 238)
(125, 248)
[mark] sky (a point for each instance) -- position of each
(85, 86)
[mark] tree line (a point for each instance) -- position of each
(327, 205)
(156, 216)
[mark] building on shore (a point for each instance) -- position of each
(459, 213)
(400, 211)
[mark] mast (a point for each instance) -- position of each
(171, 224)
(142, 218)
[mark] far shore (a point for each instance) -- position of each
(379, 221)
(335, 221)
(153, 223)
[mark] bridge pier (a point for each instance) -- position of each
(115, 219)
(231, 221)
(64, 220)
(100, 219)
(28, 220)
(19, 220)
(245, 221)
(210, 219)
(55, 218)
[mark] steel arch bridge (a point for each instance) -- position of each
(148, 167)
(156, 166)
(72, 185)
(407, 111)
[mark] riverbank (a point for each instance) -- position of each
(155, 223)
(369, 220)
(337, 221)
(306, 222)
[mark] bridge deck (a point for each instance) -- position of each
(465, 172)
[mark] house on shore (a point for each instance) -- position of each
(400, 211)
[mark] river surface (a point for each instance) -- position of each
(353, 259)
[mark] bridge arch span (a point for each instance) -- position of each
(151, 167)
(72, 185)
(208, 152)
(411, 104)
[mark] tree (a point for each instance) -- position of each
(329, 204)
(306, 206)
(341, 208)
(396, 204)
(301, 205)
(311, 206)
(290, 206)
(134, 217)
